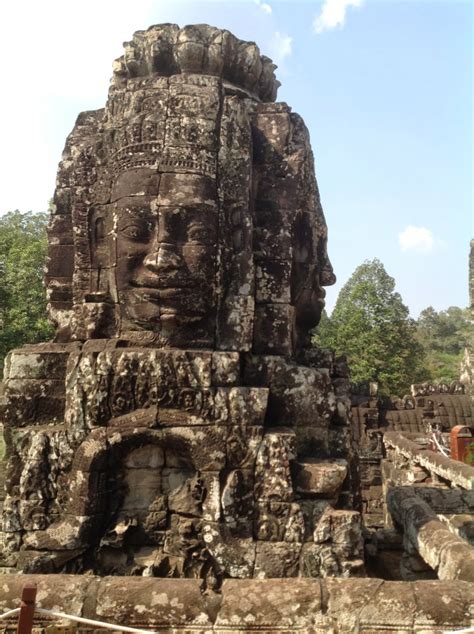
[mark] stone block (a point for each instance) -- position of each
(33, 402)
(279, 521)
(242, 444)
(277, 559)
(235, 330)
(225, 369)
(61, 260)
(273, 330)
(27, 364)
(283, 605)
(323, 478)
(272, 281)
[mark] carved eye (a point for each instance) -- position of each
(197, 233)
(138, 232)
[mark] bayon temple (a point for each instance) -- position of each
(180, 456)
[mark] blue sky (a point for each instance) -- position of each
(385, 88)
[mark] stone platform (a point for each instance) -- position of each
(306, 606)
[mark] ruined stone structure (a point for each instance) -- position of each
(467, 364)
(179, 424)
(416, 503)
(429, 406)
(431, 498)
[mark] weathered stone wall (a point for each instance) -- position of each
(297, 605)
(201, 478)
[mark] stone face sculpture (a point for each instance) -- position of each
(198, 209)
(180, 424)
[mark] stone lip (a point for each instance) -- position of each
(270, 605)
(167, 49)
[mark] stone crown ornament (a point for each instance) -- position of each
(166, 50)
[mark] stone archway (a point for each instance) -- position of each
(151, 486)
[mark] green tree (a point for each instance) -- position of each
(444, 335)
(371, 325)
(23, 246)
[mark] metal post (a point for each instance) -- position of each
(27, 609)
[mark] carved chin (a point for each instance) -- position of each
(309, 307)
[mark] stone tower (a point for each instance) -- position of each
(467, 364)
(180, 424)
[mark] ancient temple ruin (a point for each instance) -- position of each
(467, 365)
(180, 425)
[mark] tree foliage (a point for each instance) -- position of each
(444, 335)
(371, 325)
(23, 246)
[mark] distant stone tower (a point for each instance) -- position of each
(471, 279)
(467, 365)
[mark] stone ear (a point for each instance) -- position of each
(100, 253)
(99, 230)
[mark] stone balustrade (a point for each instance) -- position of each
(265, 606)
(431, 497)
(457, 473)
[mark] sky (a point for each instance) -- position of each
(385, 88)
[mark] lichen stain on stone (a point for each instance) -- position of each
(159, 599)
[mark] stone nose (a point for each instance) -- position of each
(163, 258)
(327, 276)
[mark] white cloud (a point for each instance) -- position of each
(266, 8)
(418, 239)
(280, 47)
(333, 14)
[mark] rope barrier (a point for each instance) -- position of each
(80, 619)
(443, 451)
(9, 613)
(134, 630)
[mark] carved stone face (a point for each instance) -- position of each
(311, 270)
(165, 250)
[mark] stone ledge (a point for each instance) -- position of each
(265, 606)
